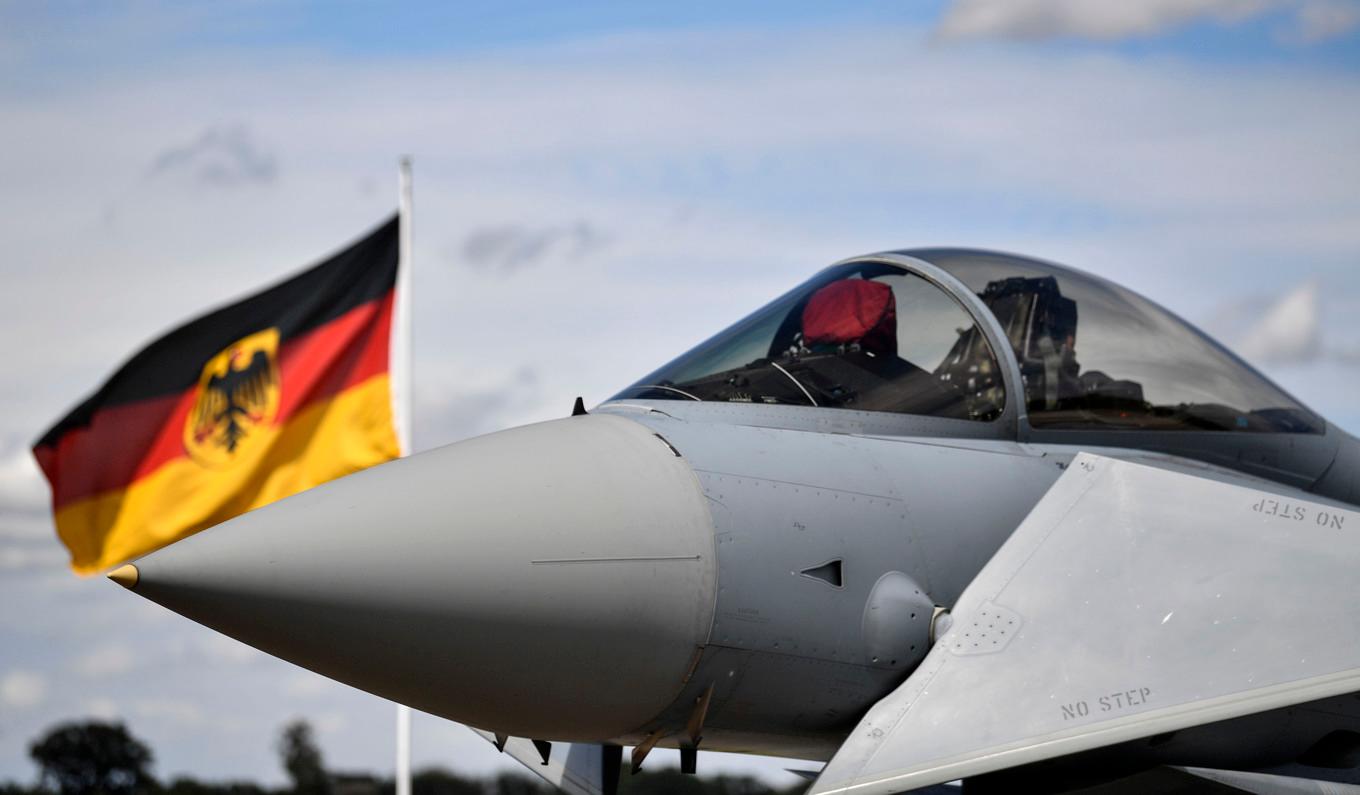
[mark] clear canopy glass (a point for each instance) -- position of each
(865, 336)
(1095, 355)
(876, 337)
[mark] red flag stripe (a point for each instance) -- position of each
(124, 443)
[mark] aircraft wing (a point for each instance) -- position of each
(573, 768)
(1132, 601)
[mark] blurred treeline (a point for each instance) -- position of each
(94, 758)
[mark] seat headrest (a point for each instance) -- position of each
(852, 310)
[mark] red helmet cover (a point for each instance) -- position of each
(852, 310)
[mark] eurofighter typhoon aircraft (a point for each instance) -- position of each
(933, 515)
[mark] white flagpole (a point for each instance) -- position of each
(403, 774)
(401, 349)
(402, 359)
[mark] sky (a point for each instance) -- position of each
(599, 186)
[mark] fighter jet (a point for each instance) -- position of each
(932, 515)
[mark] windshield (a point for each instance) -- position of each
(865, 336)
(1093, 354)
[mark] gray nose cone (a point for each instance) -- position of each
(551, 581)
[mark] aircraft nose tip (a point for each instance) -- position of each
(510, 581)
(125, 575)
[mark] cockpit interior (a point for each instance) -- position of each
(894, 336)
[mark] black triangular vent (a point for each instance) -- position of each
(830, 573)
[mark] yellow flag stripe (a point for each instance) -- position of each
(349, 432)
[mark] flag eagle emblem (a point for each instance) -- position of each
(238, 391)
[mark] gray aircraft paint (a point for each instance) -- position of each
(789, 651)
(573, 768)
(1263, 784)
(1095, 624)
(445, 582)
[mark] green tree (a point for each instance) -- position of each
(663, 781)
(93, 757)
(747, 785)
(184, 785)
(518, 784)
(302, 759)
(435, 781)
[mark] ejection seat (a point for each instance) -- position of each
(852, 314)
(849, 352)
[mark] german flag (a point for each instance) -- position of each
(258, 400)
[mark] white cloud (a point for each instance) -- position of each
(1289, 332)
(331, 722)
(222, 649)
(1302, 333)
(1320, 21)
(22, 488)
(206, 650)
(305, 684)
(26, 556)
(1311, 20)
(102, 708)
(1092, 19)
(179, 712)
(22, 689)
(461, 404)
(111, 659)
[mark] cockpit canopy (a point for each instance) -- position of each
(869, 336)
(877, 336)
